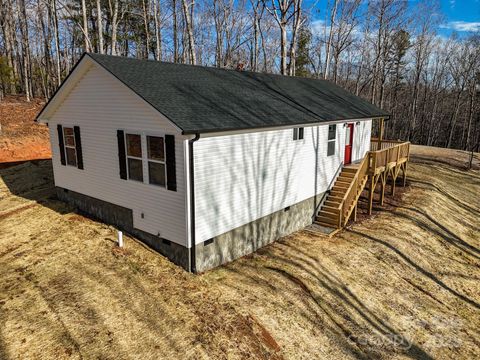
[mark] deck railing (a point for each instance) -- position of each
(391, 152)
(384, 144)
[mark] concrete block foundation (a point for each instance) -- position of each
(122, 218)
(214, 252)
(250, 237)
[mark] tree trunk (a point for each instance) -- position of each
(175, 31)
(189, 29)
(57, 42)
(158, 33)
(146, 25)
(283, 47)
(328, 49)
(99, 28)
(453, 120)
(86, 38)
(113, 44)
(25, 49)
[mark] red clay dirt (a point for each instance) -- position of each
(21, 138)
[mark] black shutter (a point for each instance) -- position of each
(122, 159)
(78, 146)
(61, 144)
(171, 169)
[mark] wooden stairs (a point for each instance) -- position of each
(387, 159)
(342, 198)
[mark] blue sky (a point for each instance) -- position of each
(461, 16)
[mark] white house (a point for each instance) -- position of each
(204, 165)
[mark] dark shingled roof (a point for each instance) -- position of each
(202, 99)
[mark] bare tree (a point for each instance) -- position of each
(281, 10)
(100, 28)
(85, 27)
(158, 33)
(328, 45)
(187, 14)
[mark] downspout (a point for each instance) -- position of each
(193, 267)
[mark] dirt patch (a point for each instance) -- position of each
(20, 137)
(403, 283)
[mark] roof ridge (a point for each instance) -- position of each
(205, 67)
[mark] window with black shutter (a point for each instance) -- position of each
(70, 145)
(147, 158)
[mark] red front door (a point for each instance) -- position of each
(348, 144)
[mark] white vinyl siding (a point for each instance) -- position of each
(101, 105)
(361, 139)
(240, 178)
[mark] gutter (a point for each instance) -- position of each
(282, 126)
(193, 267)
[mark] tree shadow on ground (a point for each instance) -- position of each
(334, 305)
(418, 268)
(33, 180)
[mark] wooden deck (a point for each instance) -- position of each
(386, 160)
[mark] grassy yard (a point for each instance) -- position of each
(403, 283)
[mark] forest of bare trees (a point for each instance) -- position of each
(387, 51)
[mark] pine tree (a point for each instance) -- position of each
(303, 53)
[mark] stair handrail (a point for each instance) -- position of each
(352, 190)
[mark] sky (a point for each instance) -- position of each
(461, 16)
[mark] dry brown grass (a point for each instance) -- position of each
(412, 271)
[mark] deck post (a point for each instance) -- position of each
(404, 172)
(382, 191)
(380, 133)
(370, 193)
(394, 179)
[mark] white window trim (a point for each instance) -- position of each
(334, 140)
(65, 146)
(144, 158)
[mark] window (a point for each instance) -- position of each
(156, 160)
(298, 133)
(70, 148)
(332, 137)
(134, 157)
